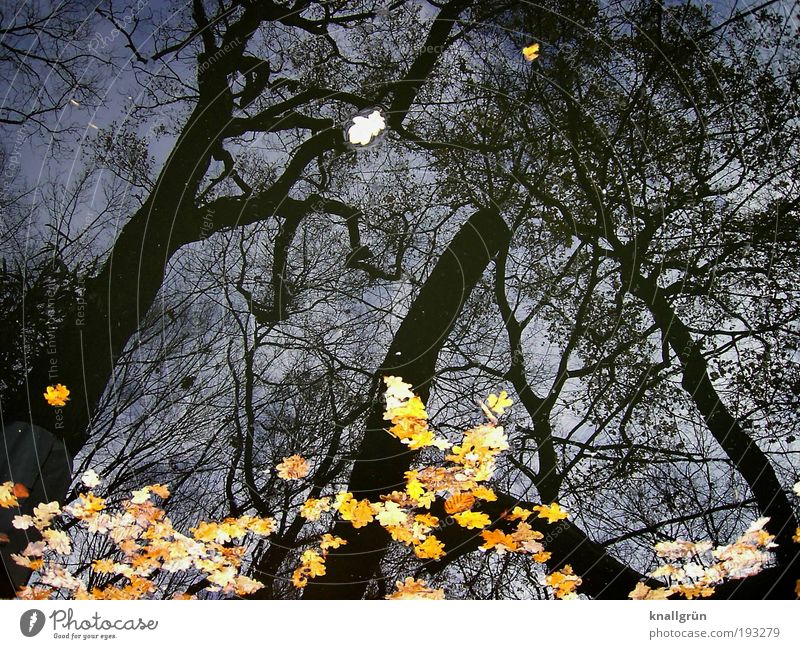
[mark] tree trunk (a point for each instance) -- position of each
(743, 451)
(382, 460)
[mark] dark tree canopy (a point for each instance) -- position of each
(608, 232)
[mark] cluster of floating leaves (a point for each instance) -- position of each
(142, 544)
(145, 543)
(312, 563)
(693, 570)
(458, 480)
(564, 583)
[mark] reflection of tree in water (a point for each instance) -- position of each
(609, 232)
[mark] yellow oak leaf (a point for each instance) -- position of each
(541, 557)
(417, 492)
(362, 514)
(499, 402)
(57, 395)
(299, 578)
(527, 538)
(531, 52)
(693, 591)
(314, 563)
(484, 493)
(86, 506)
(519, 513)
(11, 493)
(342, 500)
(472, 520)
(390, 514)
(427, 519)
(204, 531)
(641, 591)
(43, 515)
(415, 489)
(230, 528)
(425, 437)
(401, 534)
(407, 428)
(222, 576)
(552, 512)
(330, 542)
(430, 548)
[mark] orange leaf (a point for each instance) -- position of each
(459, 503)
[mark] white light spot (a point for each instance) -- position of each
(365, 128)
